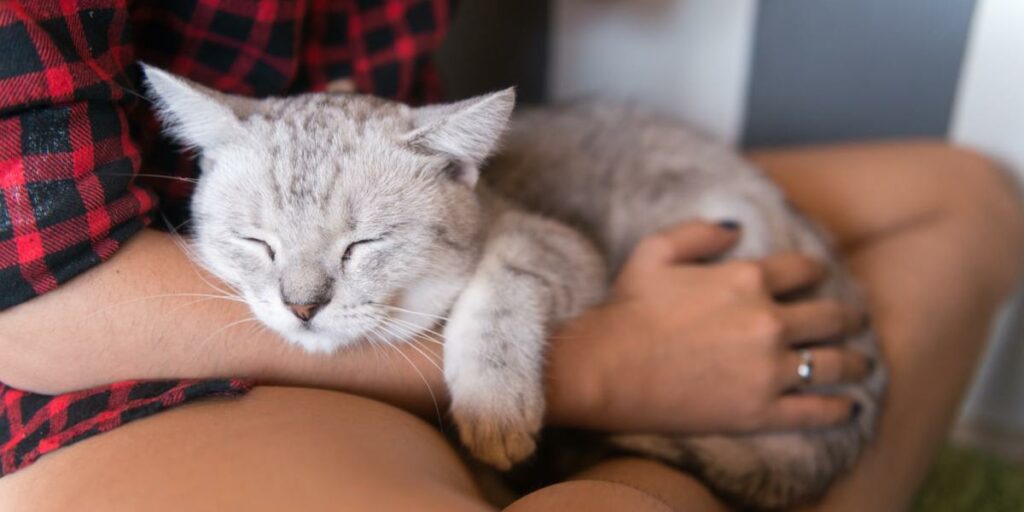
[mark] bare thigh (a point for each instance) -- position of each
(285, 449)
(633, 484)
(275, 449)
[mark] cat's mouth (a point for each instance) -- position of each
(342, 324)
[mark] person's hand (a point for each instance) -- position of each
(689, 348)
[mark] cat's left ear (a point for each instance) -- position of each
(467, 131)
(197, 116)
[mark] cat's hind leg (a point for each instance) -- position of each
(534, 273)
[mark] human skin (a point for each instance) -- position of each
(936, 236)
(912, 219)
(149, 313)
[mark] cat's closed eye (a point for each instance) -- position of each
(348, 250)
(264, 244)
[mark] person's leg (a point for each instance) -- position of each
(935, 235)
(931, 231)
(275, 449)
(591, 496)
(641, 483)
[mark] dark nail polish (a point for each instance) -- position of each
(854, 411)
(730, 225)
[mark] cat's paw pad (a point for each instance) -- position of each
(500, 442)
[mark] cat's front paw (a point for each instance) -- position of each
(500, 439)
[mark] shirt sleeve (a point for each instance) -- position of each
(67, 159)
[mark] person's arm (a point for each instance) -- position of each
(936, 235)
(87, 296)
(68, 205)
(150, 313)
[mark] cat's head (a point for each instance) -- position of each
(327, 211)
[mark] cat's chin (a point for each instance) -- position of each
(319, 341)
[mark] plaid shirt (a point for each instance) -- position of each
(75, 142)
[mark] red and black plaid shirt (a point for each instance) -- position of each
(74, 135)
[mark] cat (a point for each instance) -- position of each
(345, 217)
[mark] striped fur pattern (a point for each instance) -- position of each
(618, 173)
(372, 215)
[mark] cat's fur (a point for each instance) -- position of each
(373, 211)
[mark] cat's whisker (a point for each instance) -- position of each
(137, 94)
(430, 389)
(228, 326)
(199, 301)
(398, 331)
(182, 244)
(411, 312)
(437, 408)
(375, 346)
(437, 359)
(412, 343)
(431, 339)
(415, 328)
(413, 334)
(158, 176)
(415, 331)
(176, 229)
(254, 329)
(161, 296)
(408, 329)
(261, 328)
(434, 359)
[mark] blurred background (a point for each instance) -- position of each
(772, 72)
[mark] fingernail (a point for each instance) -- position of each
(854, 411)
(730, 225)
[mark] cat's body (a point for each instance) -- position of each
(619, 173)
(341, 217)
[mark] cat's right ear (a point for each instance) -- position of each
(466, 132)
(196, 116)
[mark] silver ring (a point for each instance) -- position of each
(805, 370)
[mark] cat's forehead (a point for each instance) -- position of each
(337, 153)
(349, 116)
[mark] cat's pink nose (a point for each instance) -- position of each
(305, 312)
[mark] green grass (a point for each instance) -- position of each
(969, 481)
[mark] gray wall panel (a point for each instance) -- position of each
(826, 70)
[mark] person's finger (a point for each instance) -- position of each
(689, 241)
(818, 320)
(828, 366)
(790, 271)
(810, 411)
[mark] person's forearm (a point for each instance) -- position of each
(148, 313)
(864, 192)
(936, 238)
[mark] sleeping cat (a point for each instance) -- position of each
(341, 218)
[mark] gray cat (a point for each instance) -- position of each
(342, 218)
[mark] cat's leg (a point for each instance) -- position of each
(533, 274)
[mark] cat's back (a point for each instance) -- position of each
(608, 167)
(583, 148)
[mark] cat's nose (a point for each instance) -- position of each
(305, 312)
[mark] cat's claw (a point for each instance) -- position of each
(499, 442)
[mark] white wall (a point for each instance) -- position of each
(989, 115)
(689, 57)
